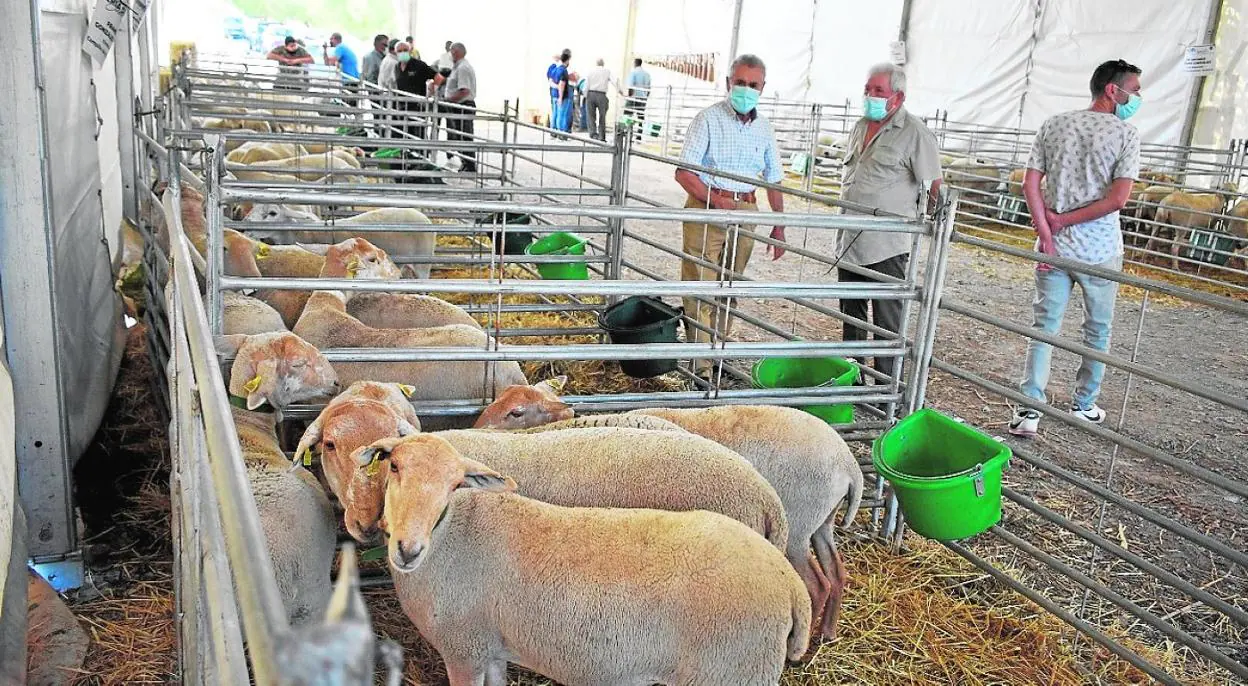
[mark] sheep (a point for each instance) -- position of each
(326, 324)
(365, 412)
(398, 243)
(406, 311)
(599, 467)
(978, 180)
(247, 315)
(489, 577)
(806, 461)
(1237, 225)
(1181, 212)
(1152, 177)
(251, 152)
(330, 165)
(278, 369)
(1141, 211)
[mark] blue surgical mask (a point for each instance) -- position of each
(1126, 111)
(743, 98)
(874, 108)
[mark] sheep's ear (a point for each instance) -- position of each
(370, 455)
(554, 385)
(228, 345)
(255, 398)
(406, 428)
(477, 475)
(311, 437)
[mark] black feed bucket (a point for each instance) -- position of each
(514, 242)
(642, 319)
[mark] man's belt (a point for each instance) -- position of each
(747, 196)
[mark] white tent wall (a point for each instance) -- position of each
(1223, 113)
(678, 27)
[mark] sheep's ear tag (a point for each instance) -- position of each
(307, 457)
(262, 251)
(353, 266)
(252, 385)
(408, 391)
(373, 467)
(557, 384)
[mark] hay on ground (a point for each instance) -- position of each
(132, 635)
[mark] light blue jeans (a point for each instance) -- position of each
(1053, 289)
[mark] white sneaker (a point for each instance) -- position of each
(1093, 414)
(1025, 423)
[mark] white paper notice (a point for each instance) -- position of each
(1198, 60)
(897, 52)
(106, 21)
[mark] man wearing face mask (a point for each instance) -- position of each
(731, 136)
(412, 75)
(891, 156)
(1087, 160)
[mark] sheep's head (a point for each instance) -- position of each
(345, 425)
(277, 368)
(524, 407)
(356, 258)
(421, 475)
(270, 213)
(242, 254)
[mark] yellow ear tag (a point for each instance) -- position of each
(373, 467)
(353, 266)
(307, 457)
(252, 385)
(262, 251)
(557, 385)
(408, 391)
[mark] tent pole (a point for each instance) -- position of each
(903, 31)
(1198, 84)
(123, 64)
(630, 32)
(736, 30)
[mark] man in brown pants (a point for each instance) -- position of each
(733, 137)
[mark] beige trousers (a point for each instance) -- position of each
(713, 244)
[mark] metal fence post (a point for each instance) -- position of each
(667, 121)
(213, 241)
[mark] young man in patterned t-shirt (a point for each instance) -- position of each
(1088, 160)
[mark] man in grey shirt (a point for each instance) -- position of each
(372, 61)
(891, 156)
(1087, 160)
(461, 89)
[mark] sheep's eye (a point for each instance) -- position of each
(327, 445)
(517, 412)
(299, 364)
(394, 469)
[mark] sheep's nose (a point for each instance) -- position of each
(409, 553)
(368, 533)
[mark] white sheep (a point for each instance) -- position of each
(584, 596)
(806, 461)
(278, 369)
(600, 467)
(397, 243)
(244, 314)
(326, 324)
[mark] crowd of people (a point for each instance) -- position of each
(585, 99)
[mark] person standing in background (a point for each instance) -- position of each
(337, 54)
(373, 60)
(596, 84)
(385, 72)
(446, 61)
(386, 80)
(638, 93)
(730, 136)
(891, 155)
(294, 60)
(554, 88)
(412, 76)
(563, 94)
(461, 89)
(1087, 160)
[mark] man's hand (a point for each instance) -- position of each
(1054, 220)
(776, 251)
(719, 202)
(1047, 247)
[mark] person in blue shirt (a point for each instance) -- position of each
(638, 93)
(562, 95)
(338, 54)
(554, 86)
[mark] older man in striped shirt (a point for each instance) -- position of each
(733, 137)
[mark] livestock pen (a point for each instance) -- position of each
(1077, 515)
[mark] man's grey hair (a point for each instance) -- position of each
(600, 62)
(751, 61)
(896, 75)
(459, 46)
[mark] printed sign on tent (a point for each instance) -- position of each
(1198, 60)
(897, 52)
(106, 21)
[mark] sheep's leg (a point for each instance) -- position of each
(837, 575)
(496, 673)
(817, 583)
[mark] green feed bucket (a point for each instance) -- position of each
(560, 243)
(810, 372)
(514, 242)
(642, 319)
(947, 475)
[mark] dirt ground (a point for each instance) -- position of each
(1198, 344)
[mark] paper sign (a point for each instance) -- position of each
(106, 21)
(1198, 60)
(897, 52)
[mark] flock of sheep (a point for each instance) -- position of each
(667, 546)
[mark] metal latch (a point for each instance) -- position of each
(979, 480)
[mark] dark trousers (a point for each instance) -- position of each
(885, 314)
(598, 105)
(462, 130)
